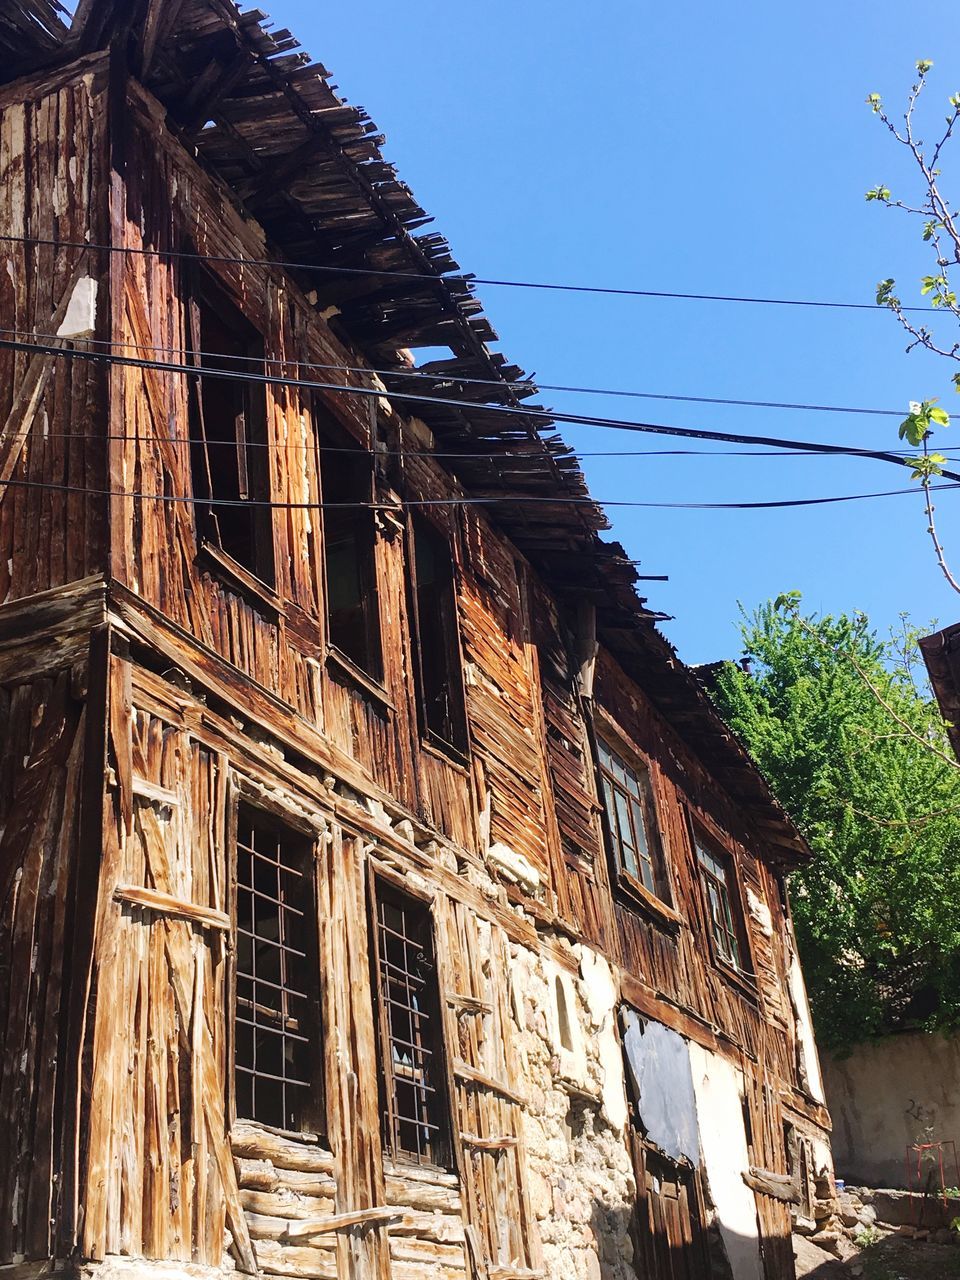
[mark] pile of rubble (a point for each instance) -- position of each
(846, 1219)
(840, 1217)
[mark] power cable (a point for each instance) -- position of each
(509, 411)
(453, 378)
(457, 502)
(467, 279)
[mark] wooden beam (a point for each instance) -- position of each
(777, 1185)
(340, 1221)
(167, 905)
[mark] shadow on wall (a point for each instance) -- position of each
(888, 1094)
(663, 1253)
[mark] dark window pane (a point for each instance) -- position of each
(352, 616)
(229, 462)
(437, 636)
(631, 819)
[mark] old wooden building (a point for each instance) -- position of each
(380, 895)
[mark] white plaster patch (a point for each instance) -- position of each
(760, 912)
(514, 866)
(600, 995)
(81, 318)
(723, 1147)
(801, 1010)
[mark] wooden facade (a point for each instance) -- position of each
(158, 681)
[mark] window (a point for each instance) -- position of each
(632, 822)
(437, 637)
(719, 886)
(413, 1099)
(353, 620)
(228, 458)
(278, 1055)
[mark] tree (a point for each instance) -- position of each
(940, 230)
(852, 744)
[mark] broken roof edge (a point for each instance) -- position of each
(171, 43)
(941, 654)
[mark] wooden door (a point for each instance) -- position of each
(669, 1235)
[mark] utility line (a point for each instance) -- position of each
(453, 378)
(506, 411)
(456, 502)
(467, 279)
(357, 449)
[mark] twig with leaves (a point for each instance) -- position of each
(941, 230)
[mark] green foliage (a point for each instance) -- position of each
(879, 193)
(926, 465)
(877, 910)
(919, 422)
(885, 295)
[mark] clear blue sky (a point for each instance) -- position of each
(680, 147)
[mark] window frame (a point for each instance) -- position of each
(721, 850)
(330, 435)
(459, 749)
(203, 290)
(382, 883)
(303, 838)
(658, 901)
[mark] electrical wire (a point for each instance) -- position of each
(508, 411)
(467, 279)
(453, 378)
(483, 501)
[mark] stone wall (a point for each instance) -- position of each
(581, 1175)
(888, 1094)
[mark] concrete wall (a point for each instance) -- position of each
(888, 1094)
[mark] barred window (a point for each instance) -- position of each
(415, 1107)
(278, 1050)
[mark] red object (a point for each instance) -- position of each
(923, 1183)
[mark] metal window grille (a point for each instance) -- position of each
(414, 1104)
(715, 873)
(276, 1014)
(628, 801)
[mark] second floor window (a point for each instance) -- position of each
(278, 1057)
(353, 620)
(416, 1117)
(632, 822)
(436, 637)
(228, 455)
(717, 874)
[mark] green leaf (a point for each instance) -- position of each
(924, 65)
(788, 601)
(880, 193)
(928, 229)
(885, 296)
(873, 102)
(940, 416)
(926, 465)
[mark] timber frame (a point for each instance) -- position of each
(150, 684)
